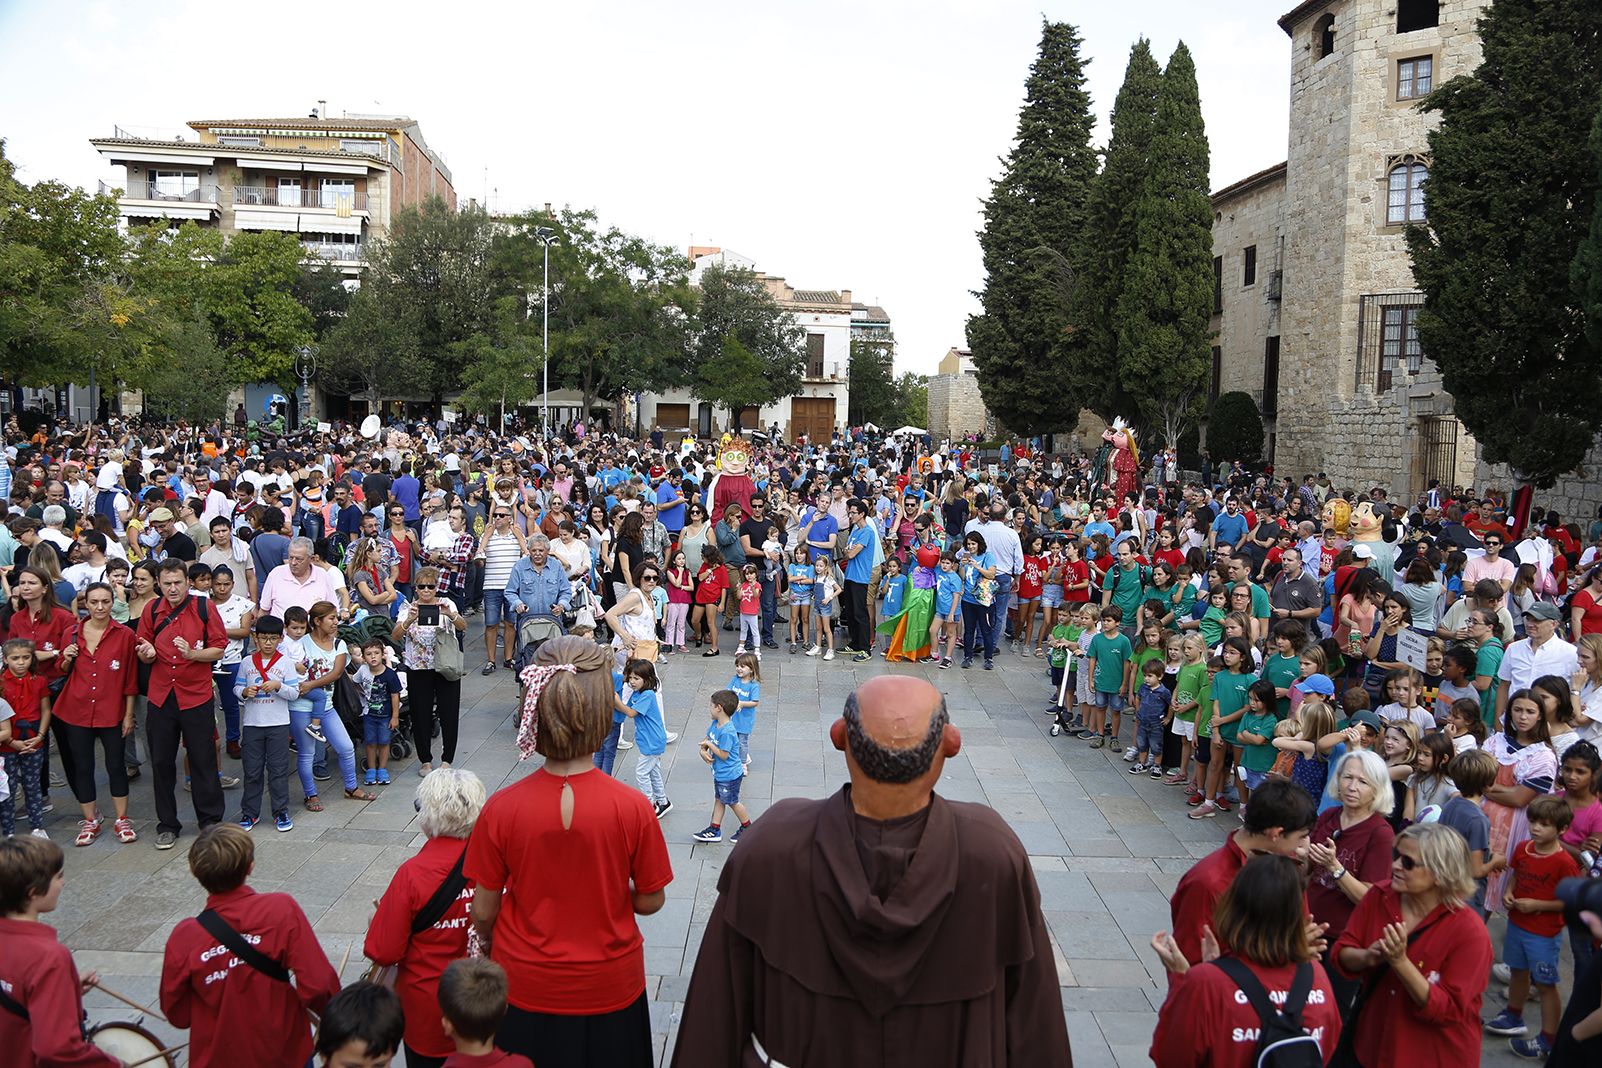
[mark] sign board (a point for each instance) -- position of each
(1412, 648)
(324, 428)
(994, 471)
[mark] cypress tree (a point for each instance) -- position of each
(1035, 210)
(1510, 198)
(1107, 240)
(1164, 310)
(1586, 273)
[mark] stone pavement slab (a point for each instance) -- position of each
(1107, 848)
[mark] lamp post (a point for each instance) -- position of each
(545, 235)
(305, 367)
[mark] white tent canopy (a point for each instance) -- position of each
(916, 431)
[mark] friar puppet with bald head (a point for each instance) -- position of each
(882, 926)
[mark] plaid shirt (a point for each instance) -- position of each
(458, 558)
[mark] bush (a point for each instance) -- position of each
(1235, 429)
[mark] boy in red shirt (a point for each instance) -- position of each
(472, 1004)
(1535, 926)
(238, 1015)
(41, 1000)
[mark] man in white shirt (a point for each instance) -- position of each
(1542, 652)
(92, 565)
(212, 501)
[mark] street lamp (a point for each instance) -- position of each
(545, 235)
(305, 367)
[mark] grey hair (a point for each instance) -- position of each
(449, 801)
(303, 542)
(53, 515)
(1445, 855)
(894, 766)
(536, 540)
(1378, 776)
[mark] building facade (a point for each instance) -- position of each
(334, 182)
(819, 407)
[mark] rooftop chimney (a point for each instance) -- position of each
(845, 295)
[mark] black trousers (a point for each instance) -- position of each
(197, 727)
(77, 746)
(856, 613)
(620, 1039)
(417, 1060)
(432, 696)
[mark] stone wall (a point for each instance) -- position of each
(1576, 496)
(1253, 217)
(956, 407)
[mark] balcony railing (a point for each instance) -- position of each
(823, 372)
(334, 251)
(203, 194)
(279, 197)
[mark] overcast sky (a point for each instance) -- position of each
(840, 145)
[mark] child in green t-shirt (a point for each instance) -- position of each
(1229, 705)
(1284, 665)
(1255, 738)
(1064, 646)
(1110, 663)
(1212, 621)
(1187, 701)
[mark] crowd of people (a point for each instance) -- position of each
(1402, 701)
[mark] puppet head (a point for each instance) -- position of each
(1366, 523)
(1337, 515)
(1122, 436)
(734, 458)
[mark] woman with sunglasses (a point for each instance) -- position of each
(432, 694)
(1421, 956)
(403, 539)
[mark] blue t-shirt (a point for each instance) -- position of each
(726, 738)
(650, 733)
(971, 576)
(1092, 529)
(800, 578)
(671, 518)
(407, 491)
(948, 589)
(745, 718)
(821, 531)
(1229, 528)
(895, 590)
(860, 567)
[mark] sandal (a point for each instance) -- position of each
(314, 803)
(125, 831)
(358, 794)
(88, 831)
(1039, 654)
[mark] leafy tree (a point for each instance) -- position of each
(194, 379)
(912, 399)
(1108, 240)
(1164, 310)
(320, 289)
(735, 378)
(1235, 428)
(500, 369)
(372, 353)
(1035, 210)
(873, 394)
(1512, 194)
(1586, 273)
(57, 244)
(735, 305)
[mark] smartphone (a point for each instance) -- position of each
(428, 615)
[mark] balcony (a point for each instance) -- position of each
(824, 372)
(156, 200)
(280, 197)
(336, 252)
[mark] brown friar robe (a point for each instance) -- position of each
(840, 941)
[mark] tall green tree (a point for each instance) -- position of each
(500, 369)
(1586, 273)
(912, 400)
(193, 379)
(1108, 239)
(1036, 209)
(735, 378)
(1511, 196)
(1164, 310)
(734, 304)
(873, 397)
(372, 353)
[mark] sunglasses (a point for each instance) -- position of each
(503, 515)
(1408, 863)
(647, 578)
(427, 586)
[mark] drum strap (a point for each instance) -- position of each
(235, 942)
(11, 1005)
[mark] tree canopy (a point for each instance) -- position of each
(735, 305)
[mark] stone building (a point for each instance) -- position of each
(955, 407)
(1315, 304)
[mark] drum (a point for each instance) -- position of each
(130, 1044)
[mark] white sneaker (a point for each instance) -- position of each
(1500, 972)
(624, 743)
(739, 650)
(829, 655)
(813, 651)
(672, 736)
(1129, 754)
(39, 832)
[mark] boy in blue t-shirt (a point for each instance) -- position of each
(1152, 714)
(650, 732)
(381, 690)
(1110, 664)
(948, 609)
(606, 756)
(720, 748)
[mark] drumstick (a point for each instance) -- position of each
(344, 959)
(158, 1055)
(128, 1001)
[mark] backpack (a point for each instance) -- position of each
(1281, 1040)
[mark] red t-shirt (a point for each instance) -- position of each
(23, 694)
(1032, 579)
(1364, 849)
(37, 972)
(50, 633)
(171, 671)
(1590, 612)
(421, 958)
(96, 694)
(1208, 1023)
(714, 580)
(1075, 571)
(495, 1058)
(1171, 557)
(1536, 876)
(566, 932)
(1196, 896)
(238, 1017)
(1453, 951)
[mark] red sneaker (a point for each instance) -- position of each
(1194, 799)
(1223, 806)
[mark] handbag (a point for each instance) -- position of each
(448, 655)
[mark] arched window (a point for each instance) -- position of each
(1405, 193)
(1324, 35)
(1417, 15)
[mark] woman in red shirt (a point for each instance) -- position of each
(564, 859)
(1206, 1022)
(449, 801)
(36, 617)
(97, 706)
(1585, 610)
(1421, 956)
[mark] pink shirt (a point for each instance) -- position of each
(283, 590)
(1587, 821)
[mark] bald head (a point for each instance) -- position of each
(896, 731)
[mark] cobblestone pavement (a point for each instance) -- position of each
(1108, 848)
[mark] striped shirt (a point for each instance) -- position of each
(500, 553)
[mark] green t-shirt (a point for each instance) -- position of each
(1144, 655)
(1212, 626)
(1064, 632)
(1129, 588)
(1260, 608)
(1229, 693)
(1258, 757)
(1192, 683)
(1282, 671)
(1187, 601)
(1110, 654)
(1204, 714)
(1486, 662)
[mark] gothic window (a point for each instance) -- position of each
(1417, 15)
(1324, 35)
(1404, 201)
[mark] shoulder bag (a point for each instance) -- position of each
(448, 653)
(432, 912)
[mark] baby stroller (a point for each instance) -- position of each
(532, 632)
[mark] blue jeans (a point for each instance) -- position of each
(606, 756)
(978, 628)
(999, 609)
(770, 605)
(338, 740)
(1149, 738)
(745, 747)
(224, 676)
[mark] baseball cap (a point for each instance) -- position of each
(1319, 684)
(1367, 719)
(1543, 610)
(1363, 552)
(161, 515)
